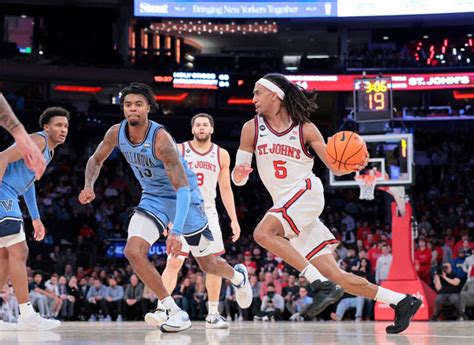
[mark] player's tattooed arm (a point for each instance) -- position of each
(103, 151)
(13, 153)
(8, 120)
(165, 150)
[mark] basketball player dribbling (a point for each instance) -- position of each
(32, 156)
(17, 179)
(280, 136)
(170, 194)
(211, 164)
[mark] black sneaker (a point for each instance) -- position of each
(404, 311)
(325, 293)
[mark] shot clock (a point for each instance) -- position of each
(372, 99)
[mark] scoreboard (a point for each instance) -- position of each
(373, 99)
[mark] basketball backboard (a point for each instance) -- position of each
(390, 153)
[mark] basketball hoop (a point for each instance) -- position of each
(366, 184)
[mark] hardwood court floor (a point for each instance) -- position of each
(242, 333)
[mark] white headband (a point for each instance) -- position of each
(272, 87)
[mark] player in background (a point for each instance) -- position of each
(169, 194)
(17, 179)
(280, 136)
(211, 165)
(32, 156)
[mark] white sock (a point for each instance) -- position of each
(311, 273)
(213, 307)
(159, 305)
(26, 309)
(388, 296)
(169, 304)
(238, 278)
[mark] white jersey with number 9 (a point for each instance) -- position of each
(207, 168)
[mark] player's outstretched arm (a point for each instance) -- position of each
(314, 138)
(13, 153)
(33, 157)
(243, 159)
(227, 195)
(166, 151)
(95, 162)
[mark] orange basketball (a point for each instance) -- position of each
(345, 150)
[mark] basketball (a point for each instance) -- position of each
(345, 150)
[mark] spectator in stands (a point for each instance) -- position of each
(273, 304)
(373, 254)
(67, 307)
(463, 243)
(348, 236)
(448, 287)
(81, 302)
(298, 305)
(96, 303)
(384, 262)
(198, 305)
(39, 296)
(348, 301)
(232, 309)
(8, 304)
(133, 295)
(254, 308)
(269, 280)
(148, 300)
(269, 263)
(114, 298)
(468, 266)
(363, 230)
(467, 298)
(53, 289)
(458, 263)
(423, 257)
(251, 265)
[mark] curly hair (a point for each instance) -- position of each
(298, 102)
(140, 89)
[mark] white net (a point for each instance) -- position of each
(367, 186)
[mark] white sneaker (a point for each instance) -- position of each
(7, 326)
(177, 321)
(37, 323)
(157, 318)
(216, 321)
(243, 292)
(265, 318)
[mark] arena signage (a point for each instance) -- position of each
(198, 80)
(116, 247)
(400, 82)
(297, 9)
(235, 9)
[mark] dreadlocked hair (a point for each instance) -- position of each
(140, 89)
(298, 102)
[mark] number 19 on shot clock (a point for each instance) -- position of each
(372, 99)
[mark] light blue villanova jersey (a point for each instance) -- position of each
(18, 177)
(149, 170)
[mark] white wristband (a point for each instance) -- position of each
(242, 157)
